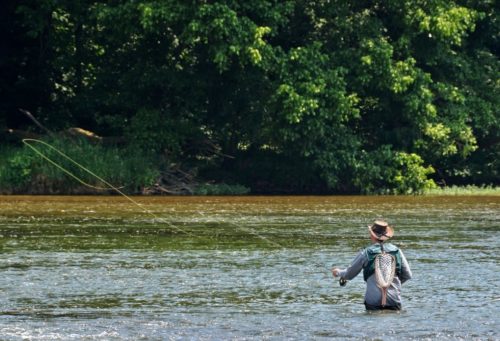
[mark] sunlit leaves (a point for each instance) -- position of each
(403, 74)
(228, 36)
(447, 23)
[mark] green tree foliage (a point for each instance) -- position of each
(323, 96)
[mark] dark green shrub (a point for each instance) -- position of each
(15, 168)
(220, 189)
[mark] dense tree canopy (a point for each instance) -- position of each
(279, 95)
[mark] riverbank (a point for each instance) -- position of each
(231, 190)
(59, 168)
(75, 166)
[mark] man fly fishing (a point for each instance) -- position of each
(384, 267)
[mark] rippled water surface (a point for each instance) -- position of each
(212, 268)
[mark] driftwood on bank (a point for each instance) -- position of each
(39, 125)
(17, 135)
(174, 182)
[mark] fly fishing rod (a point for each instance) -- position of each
(342, 280)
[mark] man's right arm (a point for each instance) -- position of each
(355, 268)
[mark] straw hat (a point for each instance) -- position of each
(381, 230)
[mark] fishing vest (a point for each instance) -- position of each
(372, 251)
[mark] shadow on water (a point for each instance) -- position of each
(241, 267)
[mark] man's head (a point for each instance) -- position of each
(380, 230)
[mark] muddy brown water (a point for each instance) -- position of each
(218, 268)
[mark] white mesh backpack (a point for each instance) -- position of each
(385, 270)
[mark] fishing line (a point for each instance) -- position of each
(110, 186)
(62, 168)
(28, 142)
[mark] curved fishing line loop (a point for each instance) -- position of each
(116, 189)
(110, 186)
(46, 158)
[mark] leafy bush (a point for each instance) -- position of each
(385, 171)
(15, 168)
(410, 175)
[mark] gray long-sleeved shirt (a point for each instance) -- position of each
(373, 294)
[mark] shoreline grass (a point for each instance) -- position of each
(464, 190)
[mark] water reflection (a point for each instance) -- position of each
(98, 267)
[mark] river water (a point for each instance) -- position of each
(245, 268)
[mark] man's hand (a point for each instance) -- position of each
(335, 272)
